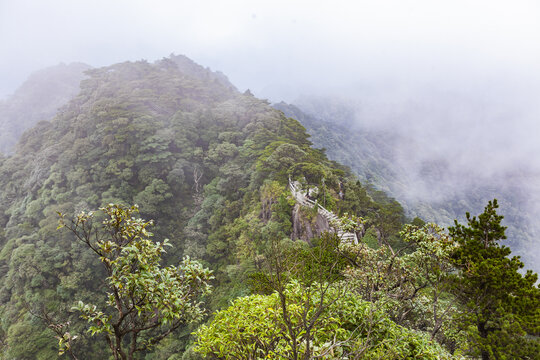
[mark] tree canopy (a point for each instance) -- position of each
(254, 327)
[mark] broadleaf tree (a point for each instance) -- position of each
(255, 327)
(145, 301)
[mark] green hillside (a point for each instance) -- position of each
(211, 167)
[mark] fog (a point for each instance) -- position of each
(280, 49)
(449, 141)
(460, 78)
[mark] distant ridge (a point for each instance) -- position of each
(38, 99)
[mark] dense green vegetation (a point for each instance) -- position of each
(172, 137)
(211, 167)
(347, 326)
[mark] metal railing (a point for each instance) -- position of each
(332, 218)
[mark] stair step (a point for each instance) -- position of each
(329, 215)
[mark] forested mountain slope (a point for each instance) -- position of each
(208, 163)
(432, 189)
(37, 99)
(211, 166)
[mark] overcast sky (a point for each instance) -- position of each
(281, 48)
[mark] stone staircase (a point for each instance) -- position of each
(332, 218)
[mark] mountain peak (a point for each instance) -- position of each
(191, 68)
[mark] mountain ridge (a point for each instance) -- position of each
(208, 163)
(212, 167)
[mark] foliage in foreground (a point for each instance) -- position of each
(211, 166)
(254, 327)
(145, 301)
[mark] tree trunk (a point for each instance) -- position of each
(483, 334)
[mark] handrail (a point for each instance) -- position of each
(329, 215)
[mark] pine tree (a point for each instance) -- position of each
(501, 306)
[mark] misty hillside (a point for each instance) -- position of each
(37, 99)
(276, 251)
(311, 180)
(208, 163)
(430, 185)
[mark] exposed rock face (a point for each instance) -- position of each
(307, 225)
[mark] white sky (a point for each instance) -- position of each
(280, 48)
